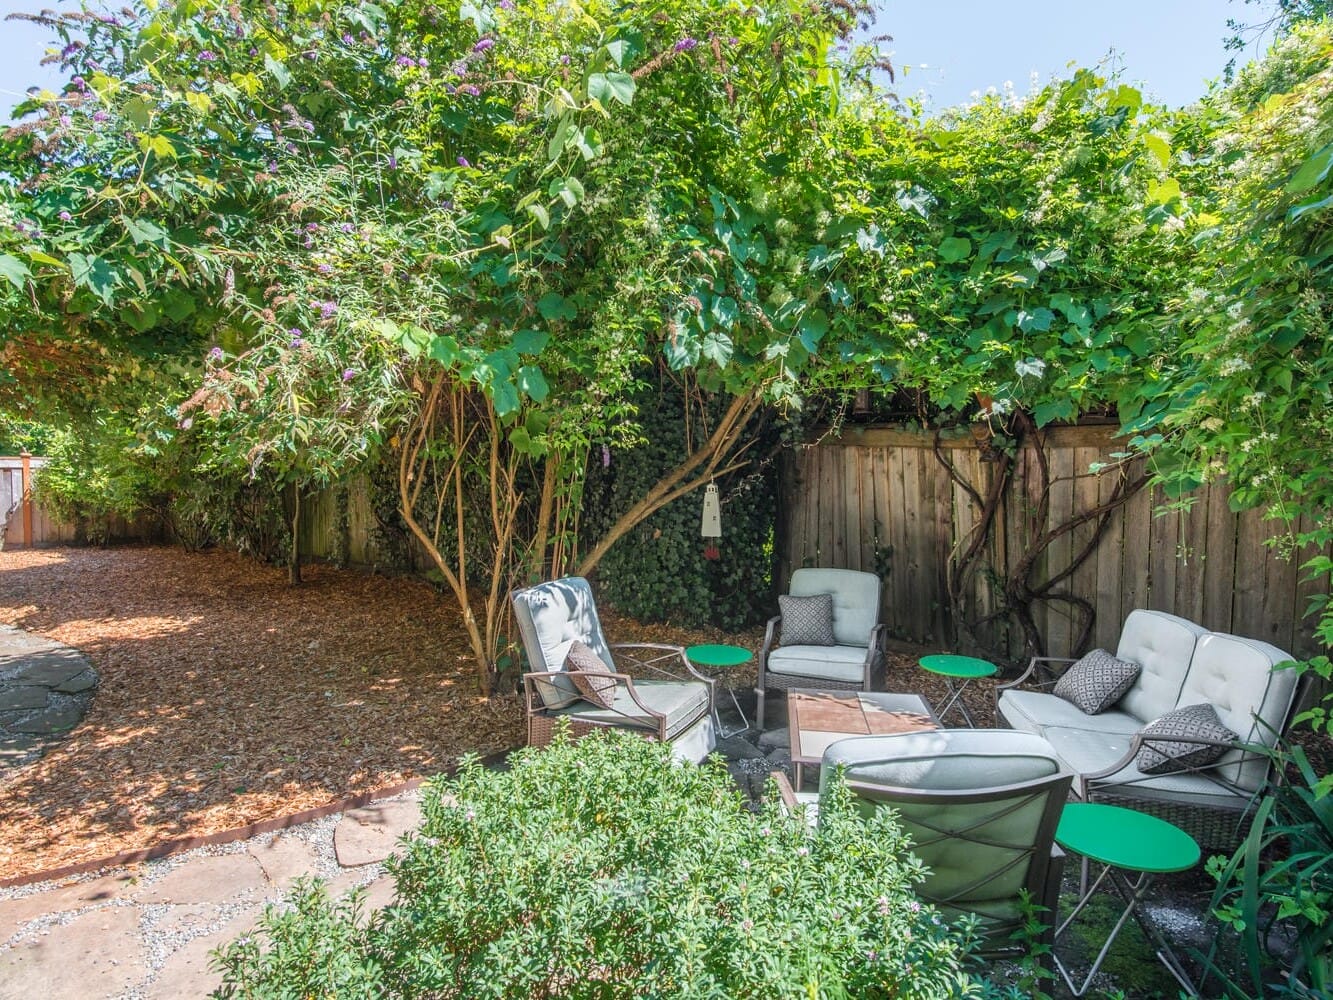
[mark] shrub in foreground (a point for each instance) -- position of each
(602, 869)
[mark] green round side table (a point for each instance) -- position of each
(722, 655)
(964, 668)
(1124, 840)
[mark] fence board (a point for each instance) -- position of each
(1205, 563)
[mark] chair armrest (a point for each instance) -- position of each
(530, 686)
(667, 652)
(770, 633)
(1137, 743)
(1031, 671)
(873, 653)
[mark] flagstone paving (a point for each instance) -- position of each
(45, 690)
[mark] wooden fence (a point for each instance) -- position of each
(42, 529)
(878, 499)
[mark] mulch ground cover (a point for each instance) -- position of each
(228, 697)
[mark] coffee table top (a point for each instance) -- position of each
(819, 718)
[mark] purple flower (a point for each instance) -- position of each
(470, 90)
(324, 268)
(483, 45)
(186, 424)
(65, 216)
(253, 53)
(110, 19)
(348, 39)
(327, 309)
(100, 116)
(421, 63)
(685, 44)
(346, 227)
(79, 84)
(297, 343)
(506, 4)
(215, 353)
(405, 61)
(564, 60)
(70, 49)
(312, 227)
(393, 163)
(295, 331)
(66, 121)
(349, 374)
(462, 162)
(271, 166)
(207, 56)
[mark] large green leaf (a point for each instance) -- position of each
(1312, 171)
(533, 383)
(954, 249)
(14, 269)
(554, 306)
(606, 87)
(93, 273)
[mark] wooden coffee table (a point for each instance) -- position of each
(819, 718)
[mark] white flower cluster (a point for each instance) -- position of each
(1231, 366)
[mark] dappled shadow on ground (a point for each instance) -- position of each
(228, 697)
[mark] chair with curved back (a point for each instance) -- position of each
(675, 705)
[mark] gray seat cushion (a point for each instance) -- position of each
(682, 702)
(1034, 711)
(836, 663)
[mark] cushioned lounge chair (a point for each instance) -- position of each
(674, 704)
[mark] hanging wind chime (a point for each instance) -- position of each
(711, 528)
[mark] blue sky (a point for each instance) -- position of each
(947, 49)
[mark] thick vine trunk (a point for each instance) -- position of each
(294, 552)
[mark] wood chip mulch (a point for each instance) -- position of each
(228, 697)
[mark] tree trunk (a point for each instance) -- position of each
(294, 555)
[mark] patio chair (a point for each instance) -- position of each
(674, 707)
(981, 807)
(850, 658)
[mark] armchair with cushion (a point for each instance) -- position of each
(847, 656)
(981, 807)
(674, 706)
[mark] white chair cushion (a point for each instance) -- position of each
(855, 600)
(1035, 711)
(1236, 676)
(1162, 645)
(834, 663)
(550, 617)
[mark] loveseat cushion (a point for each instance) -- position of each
(1035, 711)
(550, 617)
(1199, 721)
(1096, 682)
(835, 663)
(1237, 677)
(682, 702)
(807, 621)
(1084, 752)
(1162, 645)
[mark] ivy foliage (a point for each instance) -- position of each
(660, 570)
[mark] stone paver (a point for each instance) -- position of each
(187, 972)
(14, 913)
(369, 834)
(207, 880)
(98, 953)
(284, 859)
(45, 690)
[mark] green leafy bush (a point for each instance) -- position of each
(604, 869)
(86, 482)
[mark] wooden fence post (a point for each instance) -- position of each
(25, 486)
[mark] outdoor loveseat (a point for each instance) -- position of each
(1182, 665)
(675, 705)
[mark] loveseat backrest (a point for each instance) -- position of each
(1235, 675)
(855, 600)
(1162, 645)
(550, 617)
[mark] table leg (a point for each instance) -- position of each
(1133, 894)
(956, 698)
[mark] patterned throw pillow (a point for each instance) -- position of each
(1096, 682)
(583, 665)
(807, 621)
(1199, 721)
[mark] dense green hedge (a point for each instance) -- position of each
(658, 572)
